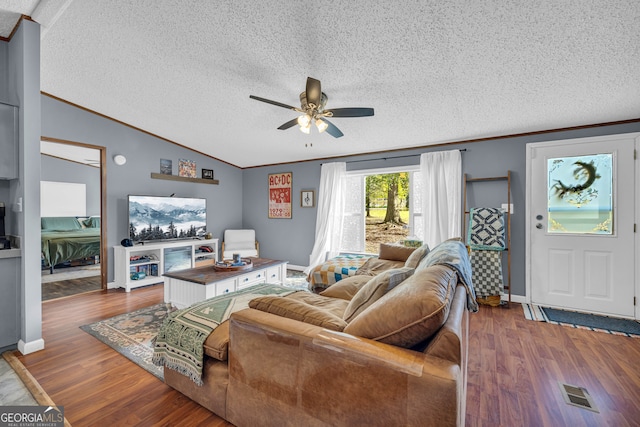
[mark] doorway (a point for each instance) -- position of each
(72, 218)
(580, 224)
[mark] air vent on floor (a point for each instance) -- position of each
(578, 396)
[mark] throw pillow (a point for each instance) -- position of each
(374, 290)
(374, 266)
(411, 312)
(394, 252)
(346, 288)
(417, 256)
(297, 310)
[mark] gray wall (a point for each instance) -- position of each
(4, 97)
(143, 152)
(292, 239)
(4, 76)
(60, 170)
(23, 89)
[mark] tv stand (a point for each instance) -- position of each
(143, 265)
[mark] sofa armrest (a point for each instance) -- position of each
(308, 375)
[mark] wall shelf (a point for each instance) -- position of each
(183, 178)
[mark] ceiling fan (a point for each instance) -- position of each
(312, 102)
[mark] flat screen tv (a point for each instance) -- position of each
(164, 218)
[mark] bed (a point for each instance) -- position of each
(69, 238)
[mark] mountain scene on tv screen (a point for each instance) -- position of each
(174, 219)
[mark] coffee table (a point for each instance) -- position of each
(185, 287)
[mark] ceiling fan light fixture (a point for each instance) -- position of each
(306, 129)
(304, 120)
(321, 125)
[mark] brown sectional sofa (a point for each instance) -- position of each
(388, 350)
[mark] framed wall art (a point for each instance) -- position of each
(207, 173)
(280, 194)
(187, 168)
(307, 198)
(166, 167)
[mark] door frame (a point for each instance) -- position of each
(103, 201)
(530, 147)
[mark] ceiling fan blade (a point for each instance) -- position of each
(268, 101)
(332, 129)
(314, 91)
(351, 112)
(289, 124)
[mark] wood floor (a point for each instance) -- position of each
(514, 369)
(65, 288)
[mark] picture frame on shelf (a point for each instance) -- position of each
(207, 173)
(166, 167)
(187, 168)
(307, 199)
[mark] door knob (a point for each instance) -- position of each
(539, 226)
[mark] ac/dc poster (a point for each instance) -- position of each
(280, 195)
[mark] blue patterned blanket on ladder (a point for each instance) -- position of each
(486, 229)
(486, 238)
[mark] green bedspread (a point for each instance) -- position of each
(61, 246)
(179, 345)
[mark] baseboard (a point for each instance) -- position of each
(30, 347)
(111, 285)
(295, 267)
(515, 298)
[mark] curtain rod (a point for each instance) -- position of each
(393, 157)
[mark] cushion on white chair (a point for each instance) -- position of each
(241, 242)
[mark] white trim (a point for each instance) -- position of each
(636, 221)
(515, 298)
(530, 154)
(296, 267)
(30, 347)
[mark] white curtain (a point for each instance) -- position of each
(331, 200)
(441, 201)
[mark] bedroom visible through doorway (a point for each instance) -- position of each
(71, 218)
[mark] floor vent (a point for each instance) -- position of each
(578, 396)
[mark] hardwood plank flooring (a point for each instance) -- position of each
(515, 366)
(95, 384)
(65, 288)
(514, 369)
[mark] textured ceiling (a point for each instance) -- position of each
(434, 71)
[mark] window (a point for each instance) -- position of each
(354, 234)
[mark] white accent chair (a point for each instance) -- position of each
(241, 242)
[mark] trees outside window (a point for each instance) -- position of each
(380, 208)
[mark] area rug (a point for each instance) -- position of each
(133, 334)
(592, 322)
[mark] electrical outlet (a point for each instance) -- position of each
(510, 210)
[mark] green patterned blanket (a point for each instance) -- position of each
(179, 345)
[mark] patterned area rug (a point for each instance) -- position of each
(133, 334)
(591, 322)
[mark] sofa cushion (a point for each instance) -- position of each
(411, 312)
(374, 266)
(374, 290)
(394, 252)
(217, 343)
(417, 256)
(346, 288)
(298, 310)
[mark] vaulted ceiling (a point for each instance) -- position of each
(434, 71)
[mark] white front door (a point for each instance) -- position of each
(580, 225)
